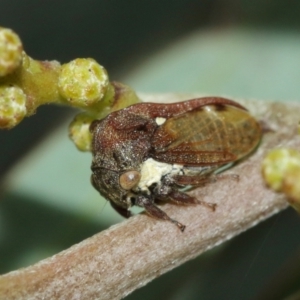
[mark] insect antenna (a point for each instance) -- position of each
(102, 208)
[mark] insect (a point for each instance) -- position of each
(150, 151)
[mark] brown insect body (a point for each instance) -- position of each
(182, 142)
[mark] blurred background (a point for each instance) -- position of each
(246, 49)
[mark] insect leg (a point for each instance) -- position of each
(234, 177)
(193, 180)
(121, 210)
(155, 212)
(183, 198)
(202, 180)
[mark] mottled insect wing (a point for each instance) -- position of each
(209, 135)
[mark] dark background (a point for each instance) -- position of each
(264, 262)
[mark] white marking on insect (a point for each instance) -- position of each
(160, 121)
(152, 171)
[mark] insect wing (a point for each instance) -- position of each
(209, 135)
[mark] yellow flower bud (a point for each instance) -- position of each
(12, 106)
(79, 131)
(11, 51)
(82, 82)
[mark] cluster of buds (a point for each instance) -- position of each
(25, 84)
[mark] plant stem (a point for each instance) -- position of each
(126, 256)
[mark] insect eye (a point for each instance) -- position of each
(129, 179)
